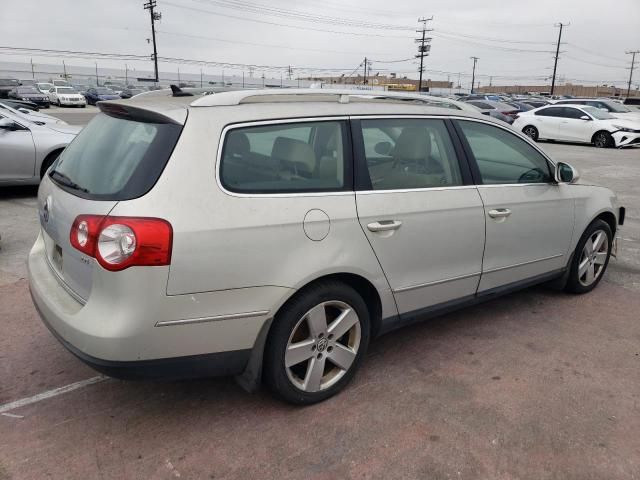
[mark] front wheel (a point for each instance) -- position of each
(316, 344)
(591, 258)
(603, 140)
(531, 132)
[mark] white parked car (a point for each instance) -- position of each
(67, 97)
(44, 87)
(272, 235)
(28, 148)
(578, 123)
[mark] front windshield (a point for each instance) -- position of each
(66, 90)
(104, 91)
(597, 113)
(44, 86)
(616, 107)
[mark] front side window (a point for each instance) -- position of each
(504, 158)
(286, 158)
(409, 153)
(573, 113)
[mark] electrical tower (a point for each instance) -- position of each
(555, 64)
(633, 61)
(155, 16)
(473, 75)
(424, 46)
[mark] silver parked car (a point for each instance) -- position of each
(29, 144)
(273, 234)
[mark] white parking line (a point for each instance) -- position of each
(50, 393)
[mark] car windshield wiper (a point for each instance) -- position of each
(64, 180)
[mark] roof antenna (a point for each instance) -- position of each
(178, 92)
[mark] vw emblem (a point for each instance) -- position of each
(322, 344)
(46, 209)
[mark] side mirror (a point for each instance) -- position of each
(383, 148)
(585, 117)
(6, 124)
(24, 110)
(565, 173)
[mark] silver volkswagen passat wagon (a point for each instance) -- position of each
(272, 234)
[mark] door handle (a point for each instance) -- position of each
(499, 213)
(384, 225)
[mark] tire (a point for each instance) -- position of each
(602, 139)
(308, 320)
(59, 104)
(531, 132)
(587, 269)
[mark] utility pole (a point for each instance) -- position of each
(633, 61)
(150, 5)
(364, 81)
(424, 46)
(178, 76)
(64, 69)
(97, 78)
(33, 74)
(243, 79)
(555, 64)
(200, 78)
(126, 75)
(473, 75)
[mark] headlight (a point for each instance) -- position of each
(25, 99)
(625, 129)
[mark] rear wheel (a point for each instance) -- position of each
(591, 258)
(531, 132)
(602, 140)
(316, 344)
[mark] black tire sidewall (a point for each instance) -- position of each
(275, 374)
(536, 134)
(608, 139)
(573, 282)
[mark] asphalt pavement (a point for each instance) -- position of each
(534, 385)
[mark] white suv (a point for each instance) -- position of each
(272, 235)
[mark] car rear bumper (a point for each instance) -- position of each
(128, 333)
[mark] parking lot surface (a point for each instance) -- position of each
(534, 385)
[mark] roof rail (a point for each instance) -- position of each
(300, 95)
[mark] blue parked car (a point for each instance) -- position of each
(97, 94)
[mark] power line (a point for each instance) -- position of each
(555, 64)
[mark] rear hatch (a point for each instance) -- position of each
(118, 156)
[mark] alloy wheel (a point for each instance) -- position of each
(593, 258)
(601, 140)
(530, 132)
(323, 346)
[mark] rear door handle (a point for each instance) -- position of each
(499, 213)
(384, 225)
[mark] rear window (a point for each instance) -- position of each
(115, 159)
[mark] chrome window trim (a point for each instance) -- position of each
(259, 123)
(425, 189)
(436, 282)
(521, 264)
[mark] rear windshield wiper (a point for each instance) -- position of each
(64, 180)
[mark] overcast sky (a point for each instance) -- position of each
(514, 40)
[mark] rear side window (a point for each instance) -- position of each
(286, 158)
(504, 158)
(551, 112)
(115, 159)
(409, 153)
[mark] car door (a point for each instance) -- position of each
(529, 217)
(419, 210)
(17, 152)
(547, 121)
(573, 127)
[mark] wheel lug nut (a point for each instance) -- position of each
(313, 348)
(319, 356)
(330, 349)
(321, 335)
(330, 336)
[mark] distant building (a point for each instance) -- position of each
(391, 82)
(566, 89)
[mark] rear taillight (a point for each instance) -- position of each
(122, 242)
